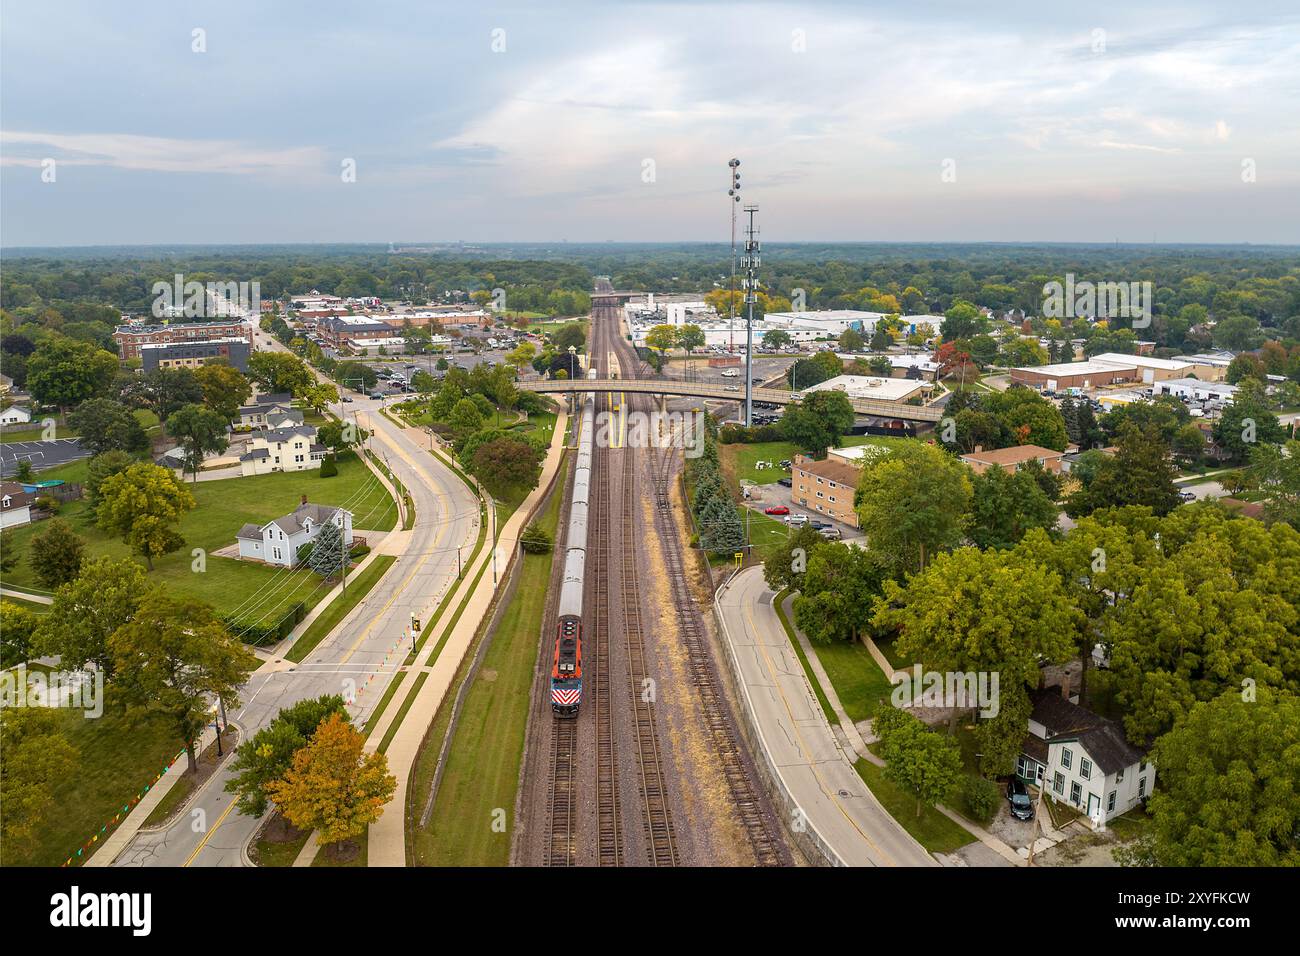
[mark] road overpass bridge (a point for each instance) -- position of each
(875, 408)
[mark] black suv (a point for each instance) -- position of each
(1022, 808)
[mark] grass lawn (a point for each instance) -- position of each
(338, 608)
(272, 853)
(255, 592)
(118, 757)
(35, 433)
(325, 855)
(738, 461)
(482, 770)
(764, 531)
(931, 829)
(540, 426)
(857, 679)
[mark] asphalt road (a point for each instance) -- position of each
(834, 800)
(448, 517)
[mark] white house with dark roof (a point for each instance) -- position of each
(278, 541)
(282, 449)
(15, 505)
(15, 415)
(1082, 759)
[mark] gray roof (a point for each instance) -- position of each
(255, 455)
(284, 434)
(1102, 738)
(250, 531)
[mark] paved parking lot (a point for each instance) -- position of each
(42, 454)
(765, 496)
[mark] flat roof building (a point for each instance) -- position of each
(233, 351)
(1196, 389)
(875, 387)
(1013, 458)
(130, 338)
(1090, 374)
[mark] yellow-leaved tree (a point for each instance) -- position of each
(333, 786)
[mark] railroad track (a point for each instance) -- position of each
(661, 839)
(768, 849)
(609, 833)
(562, 844)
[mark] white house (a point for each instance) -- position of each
(278, 541)
(15, 415)
(1082, 759)
(282, 449)
(270, 411)
(15, 505)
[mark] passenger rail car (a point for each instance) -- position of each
(566, 659)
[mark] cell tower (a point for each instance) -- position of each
(750, 263)
(734, 193)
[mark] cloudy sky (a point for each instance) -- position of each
(890, 121)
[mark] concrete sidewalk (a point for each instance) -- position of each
(387, 838)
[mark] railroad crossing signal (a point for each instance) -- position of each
(415, 623)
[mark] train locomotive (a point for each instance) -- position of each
(566, 661)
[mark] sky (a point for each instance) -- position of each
(197, 121)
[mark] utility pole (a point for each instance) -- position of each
(751, 261)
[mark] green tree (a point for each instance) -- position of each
(86, 611)
(840, 587)
(786, 562)
(333, 785)
(57, 554)
(962, 321)
(569, 334)
(465, 417)
(268, 756)
(1228, 794)
(224, 389)
(506, 465)
(913, 502)
(174, 658)
(164, 390)
(1247, 422)
(17, 626)
(1006, 506)
(36, 757)
(776, 339)
(106, 425)
(280, 372)
(1276, 471)
(1029, 418)
(818, 421)
(65, 372)
(200, 431)
(142, 505)
(327, 554)
(982, 611)
(1140, 472)
(925, 764)
(851, 340)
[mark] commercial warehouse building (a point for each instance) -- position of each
(1090, 374)
(1194, 388)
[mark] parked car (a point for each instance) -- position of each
(1187, 495)
(796, 521)
(776, 510)
(830, 533)
(817, 524)
(730, 388)
(785, 482)
(345, 398)
(1022, 808)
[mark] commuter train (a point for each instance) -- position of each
(566, 661)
